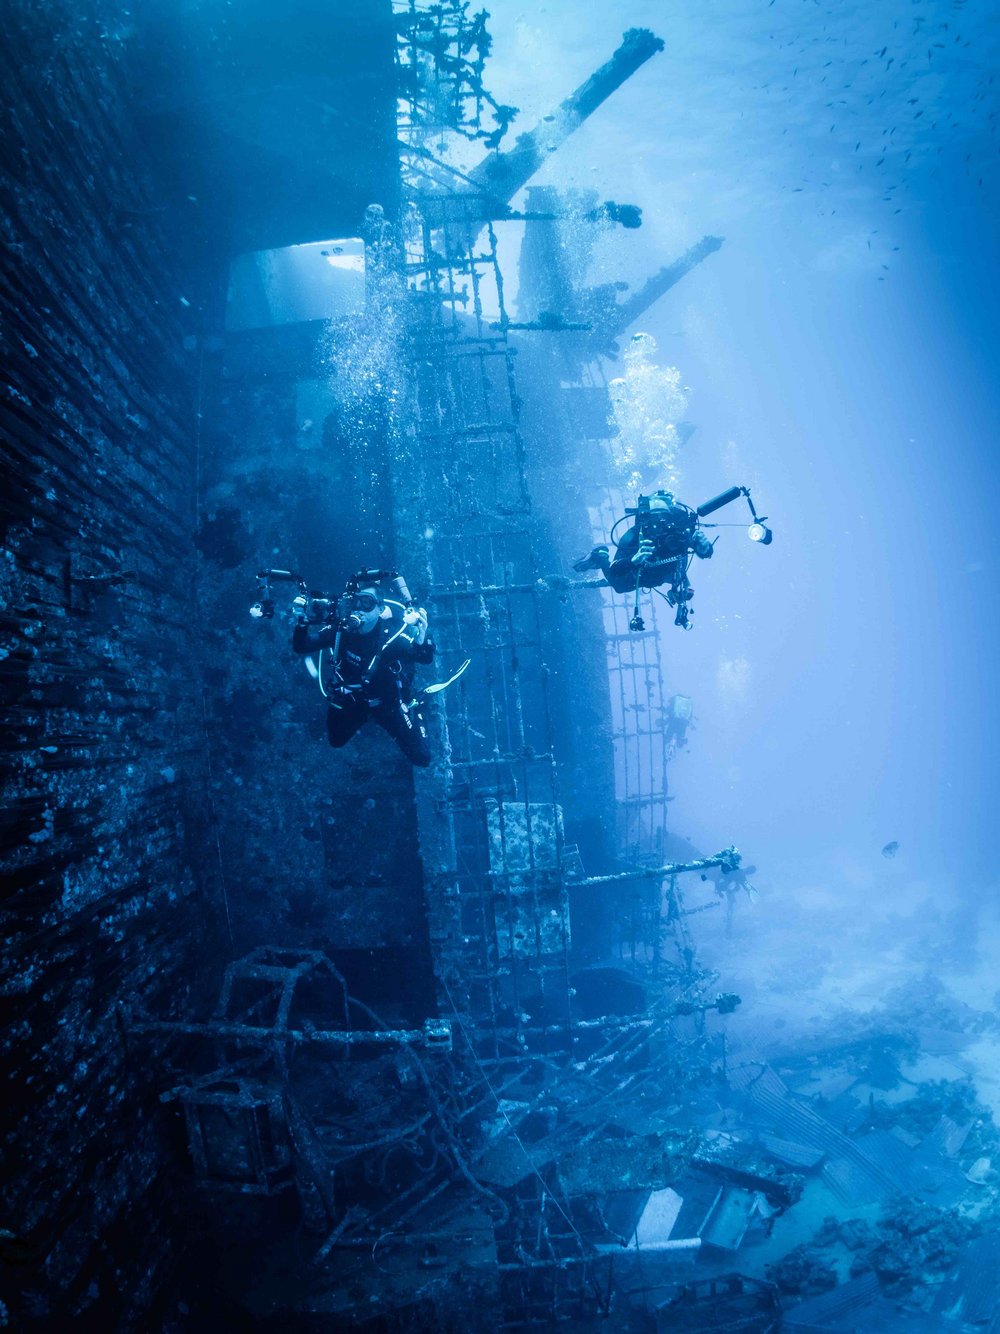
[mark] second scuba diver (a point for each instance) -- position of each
(657, 549)
(366, 655)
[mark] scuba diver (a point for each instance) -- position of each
(658, 548)
(367, 644)
(679, 716)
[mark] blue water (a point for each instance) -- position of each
(840, 351)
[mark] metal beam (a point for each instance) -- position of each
(435, 1035)
(629, 311)
(501, 175)
(727, 860)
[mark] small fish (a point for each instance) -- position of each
(890, 849)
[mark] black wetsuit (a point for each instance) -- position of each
(372, 678)
(672, 546)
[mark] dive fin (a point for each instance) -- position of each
(443, 685)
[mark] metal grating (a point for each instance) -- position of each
(639, 705)
(498, 903)
(498, 875)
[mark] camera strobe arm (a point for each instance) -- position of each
(263, 608)
(280, 577)
(392, 577)
(758, 530)
(725, 498)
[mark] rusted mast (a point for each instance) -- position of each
(501, 175)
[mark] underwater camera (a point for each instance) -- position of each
(671, 519)
(316, 607)
(313, 605)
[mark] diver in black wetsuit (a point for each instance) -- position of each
(656, 550)
(659, 546)
(373, 649)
